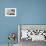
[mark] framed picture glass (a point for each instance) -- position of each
(10, 12)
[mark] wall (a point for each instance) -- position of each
(28, 12)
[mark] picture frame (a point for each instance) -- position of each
(38, 32)
(10, 12)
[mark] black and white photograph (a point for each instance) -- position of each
(30, 34)
(10, 11)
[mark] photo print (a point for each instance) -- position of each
(32, 32)
(10, 11)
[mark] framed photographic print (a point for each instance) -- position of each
(10, 12)
(33, 32)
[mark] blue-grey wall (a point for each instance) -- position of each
(28, 12)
